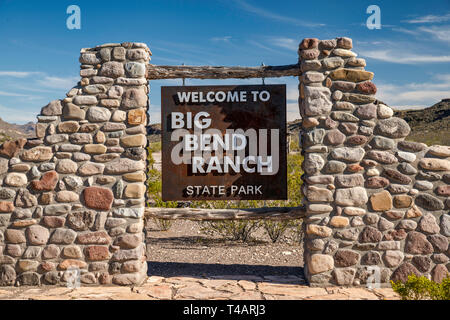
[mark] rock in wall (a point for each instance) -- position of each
(377, 205)
(75, 196)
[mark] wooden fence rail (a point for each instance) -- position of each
(208, 72)
(275, 213)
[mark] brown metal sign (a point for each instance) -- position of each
(224, 142)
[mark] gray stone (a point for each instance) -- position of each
(445, 225)
(129, 212)
(7, 275)
(407, 225)
(383, 143)
(349, 180)
(355, 196)
(343, 116)
(85, 100)
(54, 108)
(73, 182)
(122, 165)
(135, 69)
(6, 194)
(32, 252)
(314, 137)
(393, 128)
(134, 98)
(367, 111)
(393, 258)
(313, 163)
(112, 69)
(98, 114)
(63, 236)
(80, 138)
(348, 154)
(317, 101)
(406, 168)
(25, 199)
(429, 202)
(332, 62)
(334, 167)
(406, 156)
(89, 58)
(315, 194)
(56, 209)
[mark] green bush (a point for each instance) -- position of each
(421, 288)
(275, 229)
(163, 224)
(232, 229)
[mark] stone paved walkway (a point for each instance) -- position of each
(218, 288)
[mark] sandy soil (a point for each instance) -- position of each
(185, 250)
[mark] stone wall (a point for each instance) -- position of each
(377, 205)
(75, 196)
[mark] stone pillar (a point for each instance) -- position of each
(377, 206)
(75, 196)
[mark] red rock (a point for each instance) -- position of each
(439, 273)
(367, 87)
(334, 137)
(348, 127)
(370, 234)
(402, 272)
(99, 237)
(12, 148)
(417, 243)
(6, 206)
(354, 167)
(309, 54)
(72, 263)
(357, 140)
(377, 182)
(47, 266)
(97, 253)
(443, 191)
(398, 234)
(309, 43)
(47, 182)
(98, 198)
(53, 222)
(396, 176)
(422, 263)
(346, 258)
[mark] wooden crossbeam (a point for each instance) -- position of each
(275, 213)
(155, 72)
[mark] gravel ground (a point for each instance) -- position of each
(185, 250)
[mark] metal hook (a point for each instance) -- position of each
(263, 65)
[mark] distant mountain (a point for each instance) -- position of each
(430, 125)
(16, 131)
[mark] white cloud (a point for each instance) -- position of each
(440, 33)
(17, 74)
(429, 19)
(396, 56)
(274, 16)
(58, 83)
(15, 115)
(415, 95)
(286, 43)
(224, 39)
(12, 94)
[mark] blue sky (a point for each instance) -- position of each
(410, 54)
